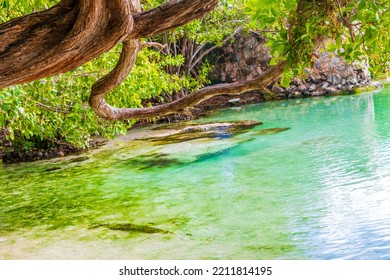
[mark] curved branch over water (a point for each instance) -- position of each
(106, 111)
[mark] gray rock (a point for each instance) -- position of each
(297, 94)
(377, 84)
(325, 85)
(312, 88)
(334, 79)
(277, 90)
(316, 93)
(331, 90)
(353, 81)
(302, 87)
(234, 101)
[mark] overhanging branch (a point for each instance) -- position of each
(106, 111)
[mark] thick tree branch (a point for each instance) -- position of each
(61, 38)
(169, 16)
(104, 110)
(74, 32)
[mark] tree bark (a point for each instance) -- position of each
(61, 38)
(74, 32)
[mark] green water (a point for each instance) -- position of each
(318, 189)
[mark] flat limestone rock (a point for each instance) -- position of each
(199, 131)
(167, 148)
(219, 126)
(207, 126)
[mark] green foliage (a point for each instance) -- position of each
(357, 30)
(55, 111)
(13, 8)
(194, 41)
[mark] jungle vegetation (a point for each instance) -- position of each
(73, 69)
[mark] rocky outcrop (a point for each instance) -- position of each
(329, 75)
(248, 56)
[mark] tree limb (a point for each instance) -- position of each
(169, 16)
(74, 32)
(106, 111)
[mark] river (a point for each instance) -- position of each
(319, 188)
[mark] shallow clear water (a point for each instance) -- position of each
(319, 190)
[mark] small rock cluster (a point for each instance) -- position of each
(330, 75)
(34, 154)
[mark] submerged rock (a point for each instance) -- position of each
(270, 131)
(190, 143)
(189, 127)
(220, 126)
(52, 169)
(130, 227)
(151, 160)
(219, 130)
(79, 159)
(184, 136)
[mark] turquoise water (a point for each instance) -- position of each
(318, 189)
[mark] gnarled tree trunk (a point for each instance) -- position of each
(61, 38)
(74, 32)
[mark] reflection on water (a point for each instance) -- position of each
(312, 182)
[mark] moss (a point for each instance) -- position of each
(362, 89)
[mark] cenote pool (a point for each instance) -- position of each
(311, 182)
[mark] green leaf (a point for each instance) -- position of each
(371, 34)
(2, 120)
(362, 4)
(332, 48)
(6, 107)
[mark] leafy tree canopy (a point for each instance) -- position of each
(354, 29)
